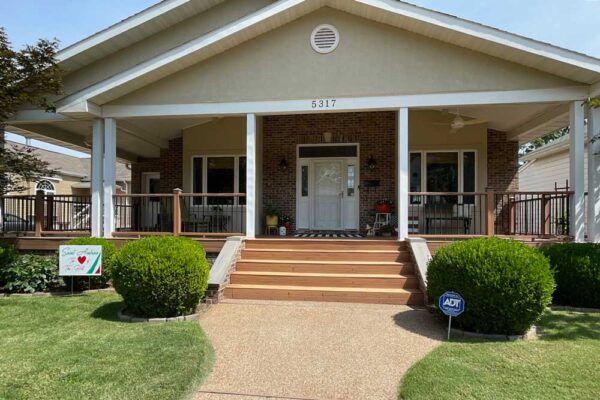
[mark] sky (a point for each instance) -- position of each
(573, 24)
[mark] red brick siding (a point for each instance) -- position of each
(375, 132)
(503, 162)
(169, 165)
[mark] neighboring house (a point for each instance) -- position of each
(319, 108)
(72, 174)
(547, 168)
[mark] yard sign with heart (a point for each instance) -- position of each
(80, 260)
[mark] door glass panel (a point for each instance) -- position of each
(242, 180)
(442, 175)
(415, 177)
(304, 179)
(351, 180)
(468, 176)
(220, 178)
(328, 195)
(327, 151)
(197, 178)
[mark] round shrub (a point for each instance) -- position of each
(109, 250)
(506, 285)
(31, 273)
(576, 269)
(161, 276)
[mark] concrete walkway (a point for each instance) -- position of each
(325, 351)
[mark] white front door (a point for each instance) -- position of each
(150, 205)
(328, 194)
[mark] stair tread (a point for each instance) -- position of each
(323, 288)
(323, 275)
(286, 250)
(308, 262)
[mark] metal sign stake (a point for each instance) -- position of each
(449, 326)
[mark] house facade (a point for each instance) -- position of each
(320, 109)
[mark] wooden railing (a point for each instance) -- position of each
(194, 214)
(490, 213)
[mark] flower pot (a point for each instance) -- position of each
(383, 208)
(272, 220)
(288, 226)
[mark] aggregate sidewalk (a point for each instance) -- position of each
(313, 351)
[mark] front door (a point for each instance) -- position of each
(150, 206)
(328, 195)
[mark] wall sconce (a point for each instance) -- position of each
(283, 165)
(327, 137)
(371, 163)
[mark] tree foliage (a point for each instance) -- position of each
(542, 141)
(28, 77)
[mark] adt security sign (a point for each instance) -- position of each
(452, 304)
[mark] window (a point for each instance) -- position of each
(46, 186)
(219, 174)
(443, 171)
(304, 181)
(351, 172)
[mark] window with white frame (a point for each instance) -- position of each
(443, 172)
(219, 174)
(46, 186)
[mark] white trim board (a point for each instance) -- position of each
(348, 104)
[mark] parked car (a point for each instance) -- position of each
(14, 223)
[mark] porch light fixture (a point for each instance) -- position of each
(327, 137)
(371, 163)
(283, 165)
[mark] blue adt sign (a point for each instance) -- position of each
(451, 304)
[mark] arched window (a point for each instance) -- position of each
(46, 186)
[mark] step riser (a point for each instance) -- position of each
(300, 295)
(406, 269)
(323, 245)
(324, 256)
(401, 283)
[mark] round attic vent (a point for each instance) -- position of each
(325, 39)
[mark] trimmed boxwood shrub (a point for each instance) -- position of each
(576, 269)
(109, 250)
(31, 273)
(506, 285)
(161, 276)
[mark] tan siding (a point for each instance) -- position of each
(546, 171)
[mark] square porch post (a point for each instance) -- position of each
(576, 170)
(110, 164)
(250, 176)
(97, 175)
(403, 183)
(593, 211)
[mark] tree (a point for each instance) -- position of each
(29, 77)
(542, 141)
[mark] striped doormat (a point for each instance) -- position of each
(330, 235)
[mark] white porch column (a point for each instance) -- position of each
(97, 174)
(576, 171)
(250, 176)
(593, 210)
(110, 163)
(403, 183)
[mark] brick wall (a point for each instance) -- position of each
(503, 162)
(169, 165)
(375, 132)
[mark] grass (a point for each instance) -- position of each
(563, 364)
(75, 348)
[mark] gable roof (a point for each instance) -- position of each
(447, 28)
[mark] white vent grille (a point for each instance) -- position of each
(325, 39)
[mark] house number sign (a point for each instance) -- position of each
(323, 103)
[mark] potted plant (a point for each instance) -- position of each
(384, 206)
(286, 220)
(386, 230)
(272, 216)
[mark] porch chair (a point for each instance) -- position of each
(191, 222)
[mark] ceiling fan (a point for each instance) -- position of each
(459, 122)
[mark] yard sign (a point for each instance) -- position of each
(452, 304)
(80, 260)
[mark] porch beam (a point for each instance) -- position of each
(403, 185)
(576, 170)
(251, 176)
(348, 104)
(593, 211)
(595, 90)
(97, 177)
(110, 162)
(550, 116)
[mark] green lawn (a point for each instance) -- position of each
(74, 348)
(563, 364)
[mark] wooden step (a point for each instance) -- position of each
(326, 244)
(324, 280)
(334, 267)
(315, 293)
(326, 255)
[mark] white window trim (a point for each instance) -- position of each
(46, 192)
(460, 152)
(236, 174)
